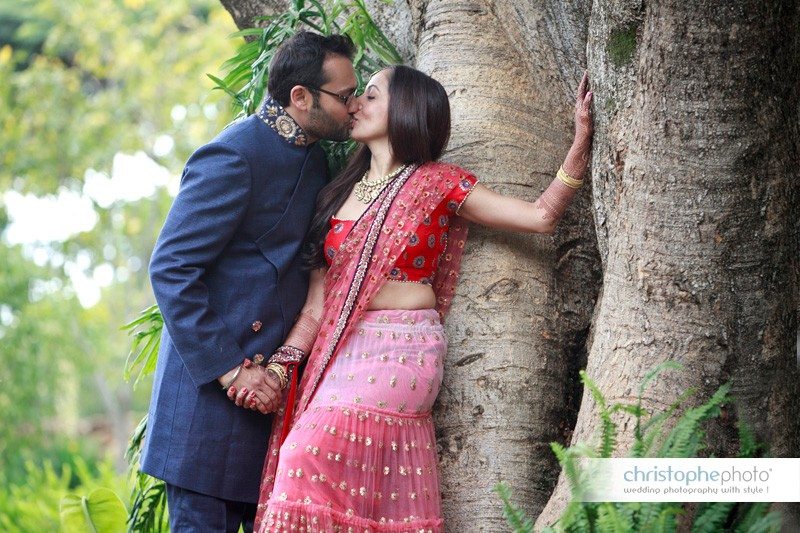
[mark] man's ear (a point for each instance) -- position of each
(301, 98)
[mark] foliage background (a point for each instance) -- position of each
(87, 88)
(103, 102)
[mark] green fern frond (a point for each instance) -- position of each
(643, 513)
(769, 523)
(132, 453)
(567, 462)
(608, 430)
(685, 440)
(642, 442)
(748, 446)
(667, 519)
(711, 517)
(513, 514)
(610, 520)
(756, 519)
(630, 513)
(648, 433)
(635, 410)
(655, 372)
(577, 518)
(687, 436)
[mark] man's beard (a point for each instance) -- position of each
(322, 126)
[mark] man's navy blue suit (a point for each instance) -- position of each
(227, 278)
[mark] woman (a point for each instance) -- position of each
(357, 452)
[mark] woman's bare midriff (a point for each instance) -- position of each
(402, 295)
(393, 294)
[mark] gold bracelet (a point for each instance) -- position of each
(568, 180)
(280, 373)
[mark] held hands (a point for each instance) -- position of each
(254, 388)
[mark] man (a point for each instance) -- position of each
(227, 277)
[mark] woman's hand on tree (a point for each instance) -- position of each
(583, 110)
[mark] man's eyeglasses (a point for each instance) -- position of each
(346, 100)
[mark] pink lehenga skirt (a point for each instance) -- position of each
(362, 457)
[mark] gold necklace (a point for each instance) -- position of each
(366, 191)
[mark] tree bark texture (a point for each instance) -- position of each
(695, 181)
(245, 13)
(519, 322)
(694, 237)
(394, 19)
(518, 326)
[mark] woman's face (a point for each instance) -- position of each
(371, 120)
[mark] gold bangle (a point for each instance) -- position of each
(568, 180)
(280, 373)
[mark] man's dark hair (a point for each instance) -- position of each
(298, 61)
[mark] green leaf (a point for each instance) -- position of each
(247, 32)
(221, 85)
(146, 315)
(757, 520)
(609, 519)
(655, 371)
(685, 440)
(748, 446)
(711, 517)
(146, 333)
(101, 512)
(608, 434)
(513, 514)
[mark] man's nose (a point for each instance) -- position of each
(354, 105)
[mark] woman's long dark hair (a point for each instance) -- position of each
(419, 129)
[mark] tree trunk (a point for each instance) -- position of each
(245, 13)
(520, 319)
(394, 19)
(695, 202)
(695, 174)
(518, 326)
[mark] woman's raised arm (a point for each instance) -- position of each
(489, 208)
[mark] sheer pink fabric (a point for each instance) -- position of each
(358, 271)
(363, 454)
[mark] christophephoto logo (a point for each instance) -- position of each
(693, 479)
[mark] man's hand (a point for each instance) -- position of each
(254, 388)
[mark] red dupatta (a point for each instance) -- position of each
(361, 267)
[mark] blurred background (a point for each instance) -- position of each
(102, 102)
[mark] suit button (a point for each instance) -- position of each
(256, 325)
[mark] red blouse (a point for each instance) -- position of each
(420, 258)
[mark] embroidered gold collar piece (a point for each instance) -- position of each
(276, 117)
